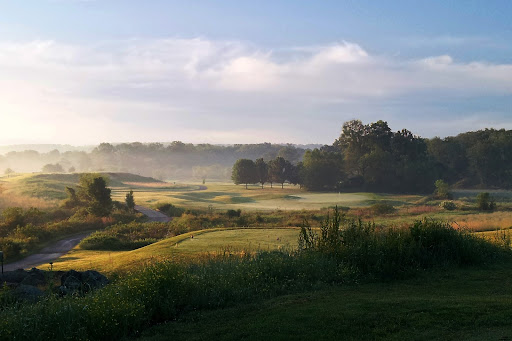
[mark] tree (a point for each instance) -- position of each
(485, 202)
(71, 169)
(8, 172)
(93, 191)
(322, 169)
(56, 168)
(244, 172)
(72, 200)
(442, 190)
(130, 202)
(262, 169)
(277, 170)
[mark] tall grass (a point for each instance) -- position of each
(342, 251)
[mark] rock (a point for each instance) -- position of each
(16, 276)
(75, 282)
(27, 293)
(34, 277)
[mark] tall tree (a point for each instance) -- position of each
(130, 201)
(262, 169)
(244, 172)
(93, 191)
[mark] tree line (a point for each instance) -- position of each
(371, 157)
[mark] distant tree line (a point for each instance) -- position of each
(371, 157)
(175, 160)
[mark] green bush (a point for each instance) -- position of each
(382, 208)
(485, 202)
(170, 210)
(448, 205)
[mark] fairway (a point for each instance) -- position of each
(224, 195)
(186, 246)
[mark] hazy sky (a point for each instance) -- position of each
(91, 71)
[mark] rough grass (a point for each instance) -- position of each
(170, 291)
(465, 304)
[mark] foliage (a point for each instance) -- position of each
(448, 205)
(53, 168)
(127, 236)
(93, 191)
(244, 172)
(262, 170)
(170, 210)
(381, 208)
(233, 213)
(130, 201)
(322, 169)
(442, 190)
(485, 202)
(395, 252)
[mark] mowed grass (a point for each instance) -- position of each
(184, 247)
(223, 196)
(461, 304)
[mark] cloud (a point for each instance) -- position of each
(166, 89)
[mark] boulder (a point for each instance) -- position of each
(27, 293)
(75, 282)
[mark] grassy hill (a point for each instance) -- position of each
(187, 246)
(52, 186)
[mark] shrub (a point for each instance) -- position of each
(170, 210)
(448, 205)
(382, 208)
(233, 213)
(485, 202)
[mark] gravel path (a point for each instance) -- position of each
(152, 214)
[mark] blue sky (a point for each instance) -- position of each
(83, 72)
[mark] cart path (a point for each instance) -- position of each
(63, 246)
(47, 254)
(152, 214)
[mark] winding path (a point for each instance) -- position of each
(63, 246)
(152, 214)
(47, 254)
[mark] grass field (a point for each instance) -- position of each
(186, 246)
(222, 196)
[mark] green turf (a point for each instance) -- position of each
(188, 245)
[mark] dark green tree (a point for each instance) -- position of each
(94, 193)
(130, 201)
(262, 169)
(244, 172)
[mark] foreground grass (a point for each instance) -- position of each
(459, 304)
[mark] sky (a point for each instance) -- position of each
(82, 72)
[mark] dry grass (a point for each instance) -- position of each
(484, 221)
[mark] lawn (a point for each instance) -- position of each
(186, 246)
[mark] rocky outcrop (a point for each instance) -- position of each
(75, 282)
(26, 285)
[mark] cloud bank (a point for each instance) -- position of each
(201, 90)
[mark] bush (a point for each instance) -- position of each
(233, 213)
(170, 210)
(448, 205)
(485, 202)
(382, 208)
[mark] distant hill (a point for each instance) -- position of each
(44, 148)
